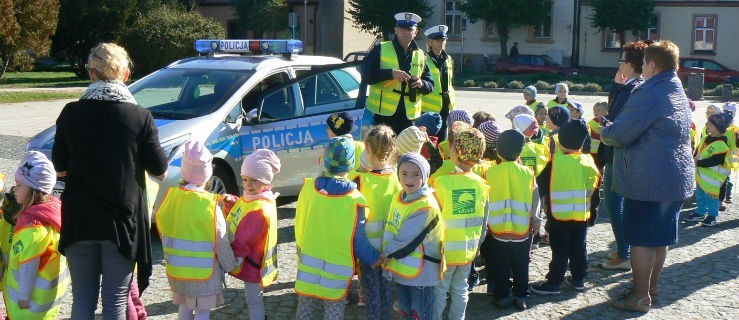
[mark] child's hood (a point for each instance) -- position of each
(47, 213)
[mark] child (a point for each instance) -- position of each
(561, 90)
(481, 116)
(455, 115)
(252, 222)
(600, 110)
(447, 166)
(576, 111)
(529, 96)
(378, 185)
(732, 161)
(415, 266)
(490, 130)
(430, 122)
(462, 198)
(513, 218)
(566, 185)
(557, 116)
(330, 234)
(534, 155)
(518, 110)
(342, 124)
(190, 215)
(35, 280)
(541, 117)
(711, 170)
(710, 110)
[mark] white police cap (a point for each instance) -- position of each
(407, 20)
(437, 32)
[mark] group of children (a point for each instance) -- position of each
(403, 211)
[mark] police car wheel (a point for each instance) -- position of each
(222, 182)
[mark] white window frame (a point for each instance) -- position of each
(542, 28)
(454, 18)
(700, 25)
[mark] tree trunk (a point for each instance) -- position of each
(6, 62)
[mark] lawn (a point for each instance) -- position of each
(43, 79)
(24, 96)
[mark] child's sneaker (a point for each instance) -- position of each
(722, 206)
(709, 221)
(579, 285)
(693, 217)
(545, 288)
(473, 280)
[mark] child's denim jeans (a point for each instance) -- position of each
(415, 302)
(705, 204)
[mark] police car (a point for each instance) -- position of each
(239, 96)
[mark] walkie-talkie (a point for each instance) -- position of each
(411, 89)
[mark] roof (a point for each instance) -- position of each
(249, 62)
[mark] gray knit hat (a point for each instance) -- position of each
(418, 160)
(37, 172)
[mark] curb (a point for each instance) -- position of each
(579, 93)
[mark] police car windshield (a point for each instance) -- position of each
(187, 93)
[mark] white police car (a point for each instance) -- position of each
(240, 96)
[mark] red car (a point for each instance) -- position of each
(713, 71)
(531, 63)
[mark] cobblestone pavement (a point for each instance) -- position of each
(700, 279)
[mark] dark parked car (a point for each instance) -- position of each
(355, 56)
(531, 63)
(713, 71)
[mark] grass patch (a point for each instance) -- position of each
(45, 79)
(24, 96)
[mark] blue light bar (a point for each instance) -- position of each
(270, 46)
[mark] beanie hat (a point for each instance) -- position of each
(576, 105)
(340, 123)
(730, 107)
(410, 140)
(37, 172)
(518, 110)
(458, 115)
(715, 108)
(510, 144)
(469, 144)
(491, 131)
(526, 124)
(559, 115)
(721, 121)
(572, 134)
(339, 155)
(561, 85)
(432, 122)
(197, 163)
(531, 91)
(261, 165)
(419, 161)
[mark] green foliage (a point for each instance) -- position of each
(577, 87)
(376, 16)
(469, 83)
(26, 28)
(515, 84)
(543, 85)
(260, 16)
(506, 15)
(623, 15)
(592, 87)
(166, 34)
(490, 84)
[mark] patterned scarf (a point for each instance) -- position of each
(108, 90)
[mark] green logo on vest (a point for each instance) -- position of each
(464, 201)
(18, 247)
(395, 219)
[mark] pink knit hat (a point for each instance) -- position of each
(197, 163)
(261, 165)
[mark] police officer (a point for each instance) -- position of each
(441, 65)
(398, 76)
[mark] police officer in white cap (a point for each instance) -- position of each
(398, 75)
(441, 65)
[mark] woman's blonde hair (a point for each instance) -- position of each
(109, 61)
(381, 141)
(35, 197)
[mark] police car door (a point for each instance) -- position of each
(291, 120)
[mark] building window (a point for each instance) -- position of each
(454, 19)
(612, 39)
(544, 30)
(652, 32)
(704, 33)
(490, 32)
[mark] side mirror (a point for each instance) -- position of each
(251, 116)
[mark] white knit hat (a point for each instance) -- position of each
(37, 172)
(410, 140)
(525, 124)
(197, 163)
(261, 165)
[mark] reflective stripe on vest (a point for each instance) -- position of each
(384, 96)
(434, 101)
(710, 179)
(462, 197)
(574, 176)
(325, 241)
(188, 240)
(378, 189)
(511, 193)
(268, 210)
(410, 266)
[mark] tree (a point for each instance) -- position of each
(507, 15)
(27, 27)
(376, 16)
(165, 34)
(623, 15)
(260, 16)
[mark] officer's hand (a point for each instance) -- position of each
(24, 304)
(400, 75)
(416, 82)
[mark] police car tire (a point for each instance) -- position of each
(227, 179)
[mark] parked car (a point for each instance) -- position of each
(713, 71)
(355, 56)
(531, 63)
(237, 103)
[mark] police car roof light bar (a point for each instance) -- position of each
(262, 46)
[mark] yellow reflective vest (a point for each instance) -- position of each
(444, 150)
(710, 179)
(594, 135)
(462, 198)
(511, 192)
(52, 280)
(268, 209)
(384, 96)
(434, 101)
(732, 159)
(553, 103)
(410, 266)
(574, 177)
(6, 241)
(535, 156)
(186, 221)
(481, 169)
(324, 235)
(378, 189)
